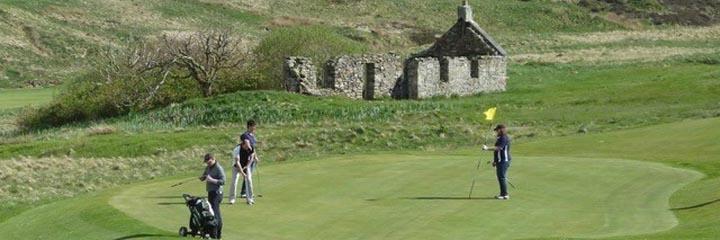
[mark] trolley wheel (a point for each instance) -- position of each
(183, 232)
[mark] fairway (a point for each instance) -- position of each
(410, 196)
(16, 98)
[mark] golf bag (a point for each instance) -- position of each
(202, 218)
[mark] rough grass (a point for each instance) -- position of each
(39, 38)
(69, 31)
(634, 54)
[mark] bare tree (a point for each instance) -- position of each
(135, 73)
(204, 55)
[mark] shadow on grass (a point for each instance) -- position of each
(448, 198)
(695, 206)
(145, 235)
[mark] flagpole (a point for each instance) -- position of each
(489, 115)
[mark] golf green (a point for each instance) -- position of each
(425, 196)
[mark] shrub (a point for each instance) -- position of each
(314, 41)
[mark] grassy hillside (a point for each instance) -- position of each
(542, 101)
(48, 42)
(420, 194)
(583, 84)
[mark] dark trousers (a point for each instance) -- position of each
(501, 169)
(215, 197)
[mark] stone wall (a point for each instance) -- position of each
(378, 76)
(455, 76)
(364, 76)
(300, 75)
(464, 61)
(368, 76)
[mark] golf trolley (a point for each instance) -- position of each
(202, 218)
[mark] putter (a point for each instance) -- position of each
(257, 171)
(508, 180)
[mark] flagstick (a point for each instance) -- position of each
(489, 115)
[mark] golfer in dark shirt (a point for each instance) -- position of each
(214, 177)
(501, 159)
(244, 164)
(249, 135)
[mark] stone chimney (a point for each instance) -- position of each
(465, 12)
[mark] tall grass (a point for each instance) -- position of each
(542, 100)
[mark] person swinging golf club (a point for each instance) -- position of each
(244, 167)
(501, 159)
(249, 136)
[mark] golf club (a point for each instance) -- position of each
(508, 180)
(512, 185)
(181, 183)
(257, 178)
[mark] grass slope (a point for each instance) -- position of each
(41, 37)
(688, 144)
(17, 98)
(411, 195)
(86, 217)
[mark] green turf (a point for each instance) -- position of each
(689, 144)
(414, 196)
(85, 217)
(573, 189)
(16, 98)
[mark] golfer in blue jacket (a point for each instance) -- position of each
(501, 159)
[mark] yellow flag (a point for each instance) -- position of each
(490, 114)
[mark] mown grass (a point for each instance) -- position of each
(17, 98)
(686, 144)
(89, 217)
(422, 195)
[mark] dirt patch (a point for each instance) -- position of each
(33, 36)
(608, 55)
(672, 34)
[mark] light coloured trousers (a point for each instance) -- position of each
(248, 184)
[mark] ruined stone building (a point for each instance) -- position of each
(464, 61)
